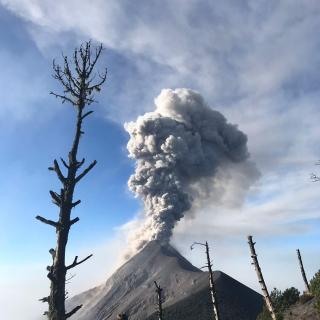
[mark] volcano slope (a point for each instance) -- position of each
(186, 292)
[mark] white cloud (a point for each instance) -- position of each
(232, 53)
(257, 60)
(280, 205)
(23, 284)
(21, 287)
(22, 87)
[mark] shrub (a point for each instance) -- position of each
(315, 284)
(289, 297)
(315, 289)
(281, 302)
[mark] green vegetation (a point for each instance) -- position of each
(281, 302)
(315, 284)
(315, 289)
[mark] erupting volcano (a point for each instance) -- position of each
(186, 290)
(185, 152)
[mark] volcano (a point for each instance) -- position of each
(131, 290)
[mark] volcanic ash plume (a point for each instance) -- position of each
(180, 150)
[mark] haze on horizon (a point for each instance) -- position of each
(254, 62)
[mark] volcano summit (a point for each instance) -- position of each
(186, 290)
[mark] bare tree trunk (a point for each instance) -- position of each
(260, 278)
(160, 300)
(304, 277)
(213, 293)
(212, 288)
(78, 89)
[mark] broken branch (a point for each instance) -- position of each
(73, 221)
(76, 203)
(47, 221)
(86, 114)
(44, 299)
(73, 311)
(57, 169)
(76, 262)
(64, 163)
(56, 199)
(80, 176)
(63, 98)
(79, 164)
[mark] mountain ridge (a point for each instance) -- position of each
(131, 289)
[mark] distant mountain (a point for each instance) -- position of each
(131, 289)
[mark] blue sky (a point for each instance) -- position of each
(257, 62)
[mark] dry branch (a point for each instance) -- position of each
(73, 221)
(73, 311)
(47, 221)
(76, 262)
(86, 171)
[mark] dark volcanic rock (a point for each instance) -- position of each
(236, 301)
(131, 289)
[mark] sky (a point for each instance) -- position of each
(256, 62)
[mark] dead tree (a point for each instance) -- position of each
(213, 293)
(304, 277)
(265, 292)
(159, 301)
(76, 76)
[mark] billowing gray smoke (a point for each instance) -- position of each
(179, 149)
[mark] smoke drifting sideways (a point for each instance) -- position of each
(185, 153)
